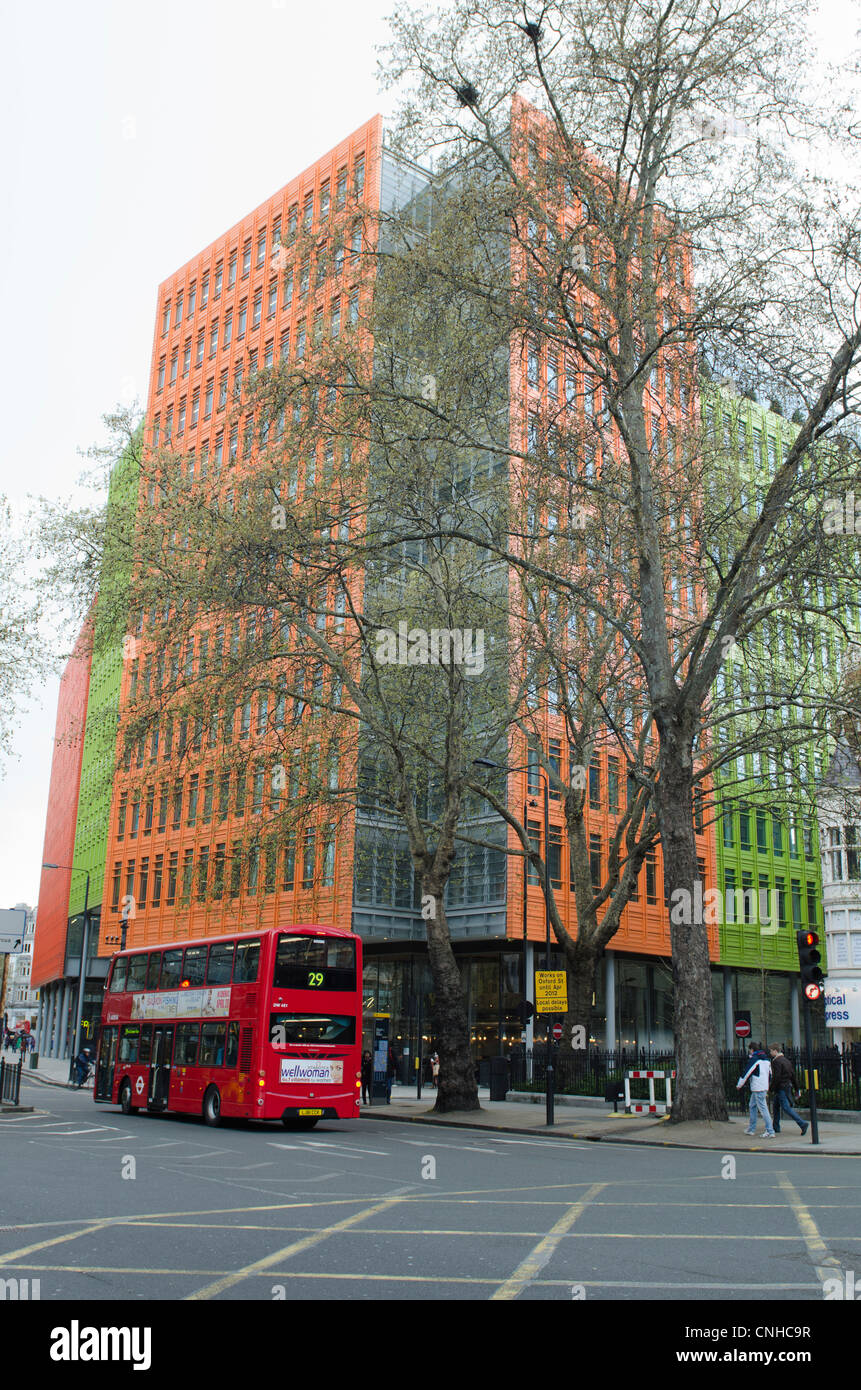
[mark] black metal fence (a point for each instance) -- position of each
(588, 1073)
(10, 1082)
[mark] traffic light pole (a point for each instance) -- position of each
(808, 1040)
(548, 1085)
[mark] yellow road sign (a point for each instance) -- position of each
(551, 992)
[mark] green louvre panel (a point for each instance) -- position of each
(768, 863)
(100, 734)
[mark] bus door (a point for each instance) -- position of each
(106, 1063)
(159, 1072)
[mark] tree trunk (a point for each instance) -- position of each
(457, 1088)
(581, 960)
(698, 1093)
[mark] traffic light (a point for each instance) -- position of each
(525, 1011)
(809, 958)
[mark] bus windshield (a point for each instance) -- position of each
(288, 1029)
(314, 962)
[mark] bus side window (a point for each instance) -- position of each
(185, 1048)
(212, 1044)
(220, 968)
(129, 1038)
(145, 1045)
(247, 960)
(171, 967)
(232, 1045)
(136, 978)
(194, 965)
(153, 970)
(118, 975)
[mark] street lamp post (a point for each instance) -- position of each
(79, 1012)
(542, 772)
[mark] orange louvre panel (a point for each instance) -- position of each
(49, 946)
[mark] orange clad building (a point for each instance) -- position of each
(227, 310)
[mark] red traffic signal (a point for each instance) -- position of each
(808, 960)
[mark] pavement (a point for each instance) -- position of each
(586, 1121)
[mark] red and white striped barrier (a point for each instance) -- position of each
(654, 1107)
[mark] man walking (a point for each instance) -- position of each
(759, 1075)
(782, 1087)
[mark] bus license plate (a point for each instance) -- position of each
(310, 1112)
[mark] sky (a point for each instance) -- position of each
(136, 132)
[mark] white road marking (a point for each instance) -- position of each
(345, 1148)
(67, 1133)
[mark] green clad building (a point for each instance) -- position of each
(767, 850)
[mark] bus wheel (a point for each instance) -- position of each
(126, 1099)
(299, 1121)
(212, 1106)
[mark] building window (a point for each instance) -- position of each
(289, 874)
(328, 864)
(651, 877)
(187, 872)
(309, 857)
(595, 862)
(594, 787)
(202, 872)
(761, 833)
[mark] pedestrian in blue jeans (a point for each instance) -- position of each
(782, 1086)
(759, 1075)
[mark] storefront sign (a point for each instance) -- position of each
(842, 1003)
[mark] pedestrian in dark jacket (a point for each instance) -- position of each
(782, 1087)
(367, 1077)
(391, 1073)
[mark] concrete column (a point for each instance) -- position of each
(63, 1030)
(610, 997)
(795, 1012)
(728, 1010)
(530, 993)
(51, 1035)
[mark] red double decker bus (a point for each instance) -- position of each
(262, 1025)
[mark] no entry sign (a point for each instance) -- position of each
(742, 1027)
(557, 1031)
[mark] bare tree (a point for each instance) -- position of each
(659, 215)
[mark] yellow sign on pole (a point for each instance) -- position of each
(551, 992)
